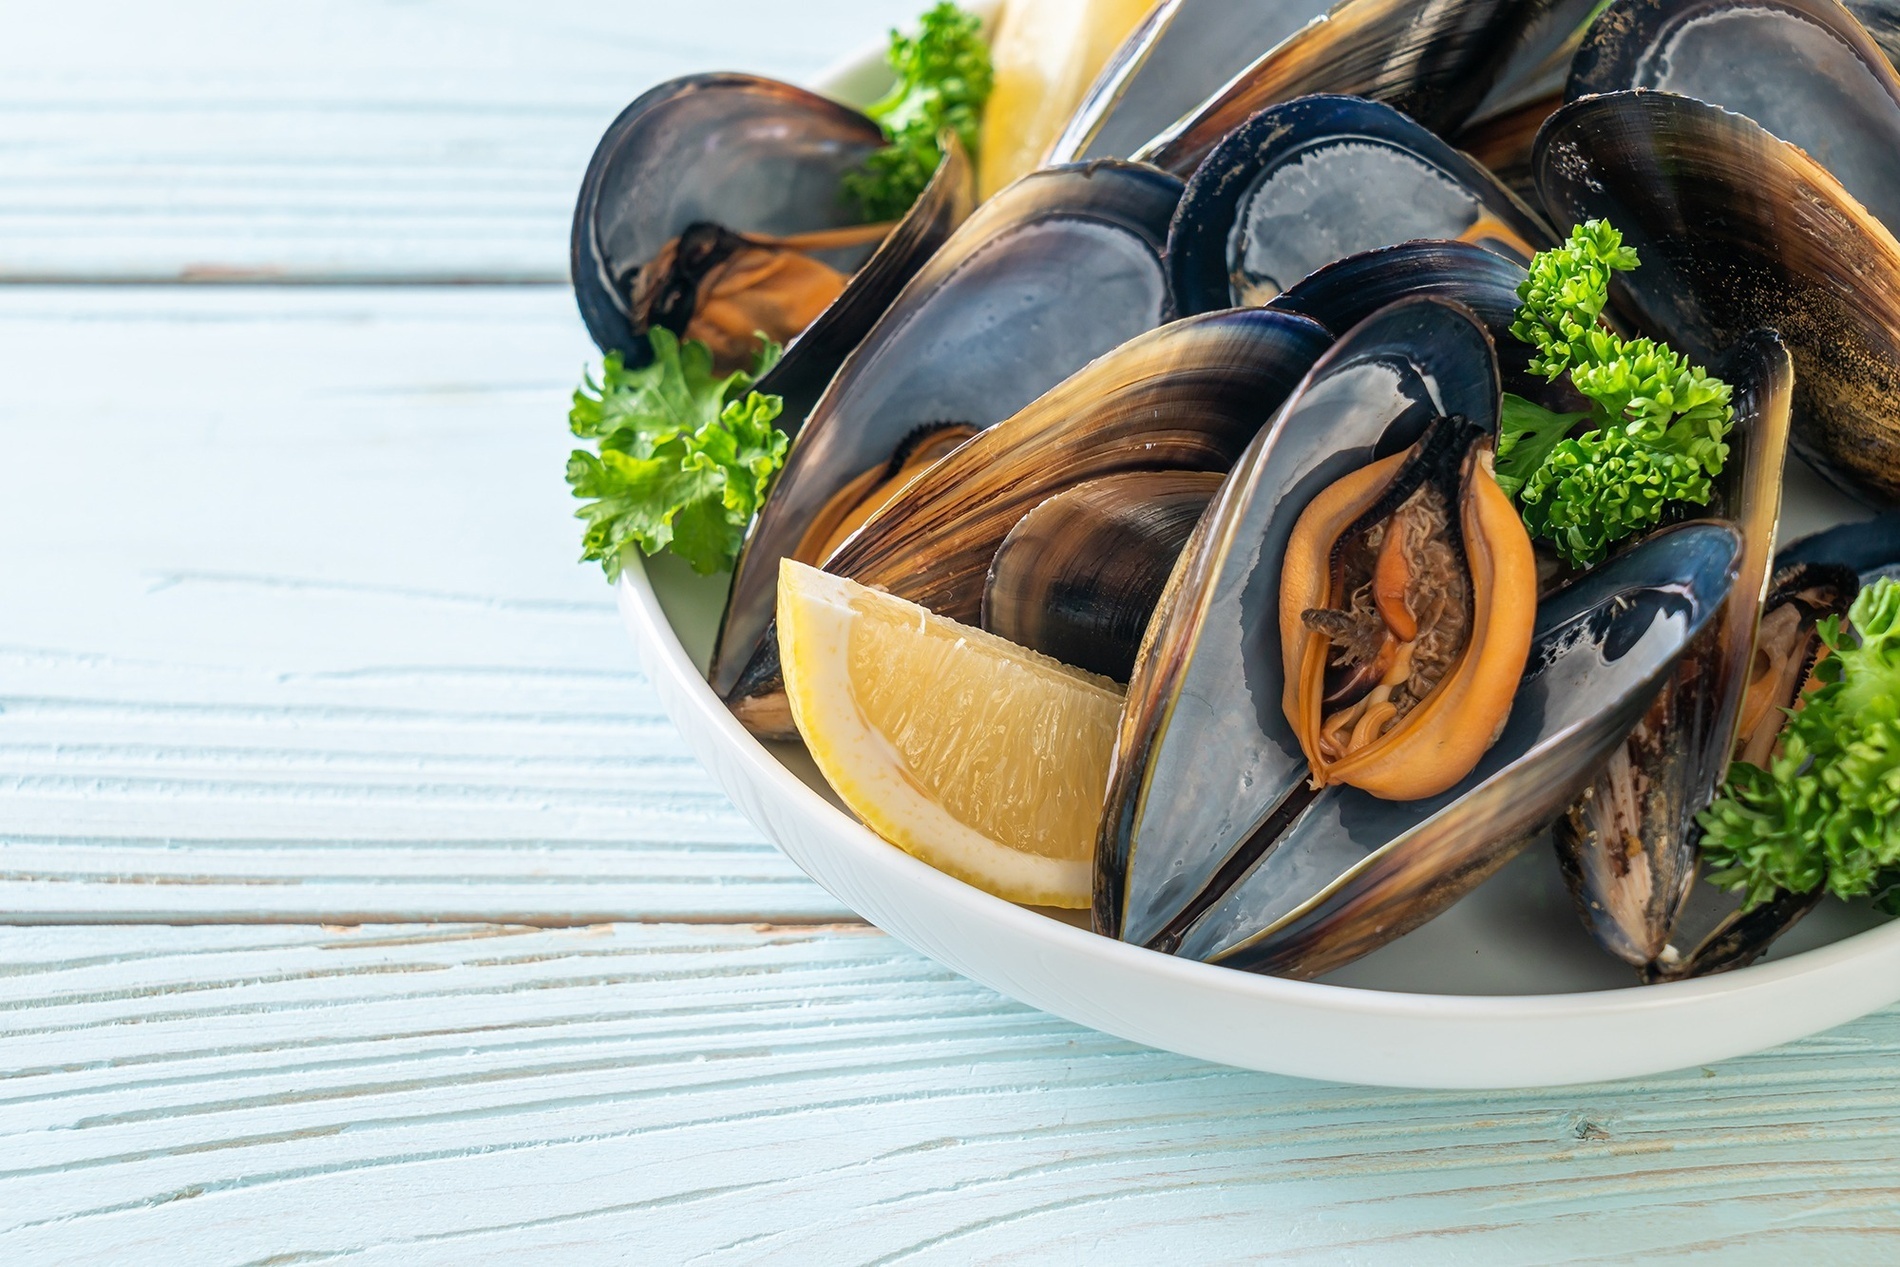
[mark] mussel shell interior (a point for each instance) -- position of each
(1186, 51)
(1737, 230)
(1353, 872)
(1206, 755)
(751, 154)
(1316, 180)
(1803, 69)
(1049, 274)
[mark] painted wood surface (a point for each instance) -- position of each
(370, 139)
(668, 1094)
(295, 628)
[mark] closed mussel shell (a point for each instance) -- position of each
(1314, 181)
(1206, 759)
(1805, 70)
(1736, 231)
(1078, 576)
(1052, 272)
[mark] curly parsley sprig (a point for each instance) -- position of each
(685, 456)
(944, 78)
(1826, 811)
(1657, 425)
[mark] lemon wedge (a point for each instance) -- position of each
(1046, 54)
(987, 760)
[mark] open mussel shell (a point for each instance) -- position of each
(1737, 230)
(1432, 61)
(1181, 54)
(752, 156)
(1815, 578)
(1805, 70)
(1206, 759)
(1316, 180)
(1055, 270)
(1186, 397)
(1343, 294)
(1078, 577)
(1627, 846)
(1712, 932)
(1352, 873)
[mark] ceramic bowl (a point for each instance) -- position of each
(1503, 990)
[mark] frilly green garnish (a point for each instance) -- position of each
(1656, 429)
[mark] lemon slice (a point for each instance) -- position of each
(985, 759)
(1047, 54)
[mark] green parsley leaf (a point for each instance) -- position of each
(1827, 808)
(1527, 432)
(943, 80)
(1658, 425)
(684, 459)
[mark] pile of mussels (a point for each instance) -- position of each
(1269, 256)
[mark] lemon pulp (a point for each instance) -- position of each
(985, 759)
(1046, 54)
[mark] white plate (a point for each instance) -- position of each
(1503, 990)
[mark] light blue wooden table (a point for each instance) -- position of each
(362, 905)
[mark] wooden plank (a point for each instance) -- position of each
(366, 139)
(467, 1094)
(294, 628)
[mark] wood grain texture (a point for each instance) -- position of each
(395, 140)
(691, 1095)
(294, 627)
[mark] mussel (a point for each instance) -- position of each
(1182, 53)
(1627, 847)
(1815, 578)
(1736, 231)
(1351, 873)
(1805, 70)
(1078, 577)
(1186, 397)
(1229, 833)
(1404, 620)
(1054, 271)
(1435, 62)
(1304, 184)
(1343, 294)
(713, 207)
